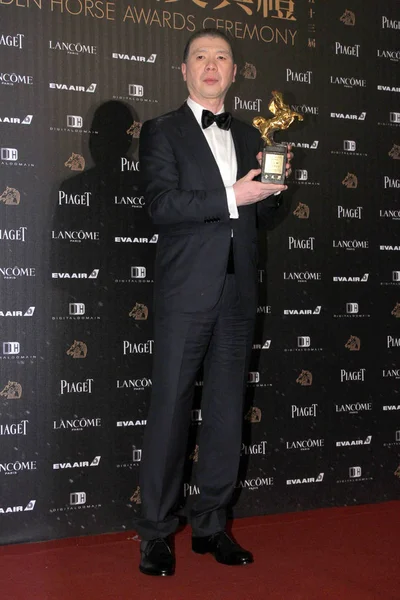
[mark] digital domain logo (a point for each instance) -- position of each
(76, 312)
(303, 345)
(10, 158)
(352, 311)
(136, 93)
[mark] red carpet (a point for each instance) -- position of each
(334, 554)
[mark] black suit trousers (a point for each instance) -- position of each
(220, 340)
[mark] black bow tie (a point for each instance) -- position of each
(223, 120)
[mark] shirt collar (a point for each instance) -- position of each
(197, 109)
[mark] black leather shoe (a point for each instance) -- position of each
(157, 557)
(223, 548)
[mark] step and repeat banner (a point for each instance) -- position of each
(322, 419)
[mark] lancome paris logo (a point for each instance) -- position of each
(18, 313)
(255, 483)
(307, 444)
(305, 378)
(16, 120)
(393, 55)
(76, 236)
(77, 350)
(302, 211)
(75, 162)
(12, 391)
(353, 343)
(305, 480)
(77, 424)
(248, 71)
(12, 41)
(353, 408)
(390, 213)
(135, 57)
(351, 244)
(391, 373)
(15, 79)
(16, 509)
(93, 275)
(73, 47)
(302, 276)
(348, 82)
(137, 385)
(18, 466)
(15, 272)
(139, 312)
(91, 88)
(348, 18)
(131, 201)
(10, 197)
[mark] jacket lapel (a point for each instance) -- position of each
(197, 147)
(240, 149)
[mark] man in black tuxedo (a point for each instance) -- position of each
(199, 167)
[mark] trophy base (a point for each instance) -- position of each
(273, 164)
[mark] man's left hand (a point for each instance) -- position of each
(288, 164)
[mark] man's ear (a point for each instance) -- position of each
(183, 69)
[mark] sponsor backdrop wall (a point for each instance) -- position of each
(322, 418)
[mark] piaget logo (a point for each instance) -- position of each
(10, 197)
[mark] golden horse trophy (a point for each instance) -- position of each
(273, 164)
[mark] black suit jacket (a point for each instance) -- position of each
(187, 201)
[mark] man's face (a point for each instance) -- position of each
(209, 70)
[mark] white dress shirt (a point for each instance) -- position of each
(223, 149)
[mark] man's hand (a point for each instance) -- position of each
(248, 191)
(288, 164)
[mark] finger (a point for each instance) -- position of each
(251, 174)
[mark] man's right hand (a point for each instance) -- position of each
(248, 191)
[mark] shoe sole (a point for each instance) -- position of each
(245, 561)
(159, 574)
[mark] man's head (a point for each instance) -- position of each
(208, 67)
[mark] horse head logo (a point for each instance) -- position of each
(76, 162)
(77, 350)
(305, 378)
(12, 391)
(350, 181)
(134, 129)
(348, 18)
(253, 415)
(249, 71)
(10, 196)
(139, 312)
(302, 211)
(353, 343)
